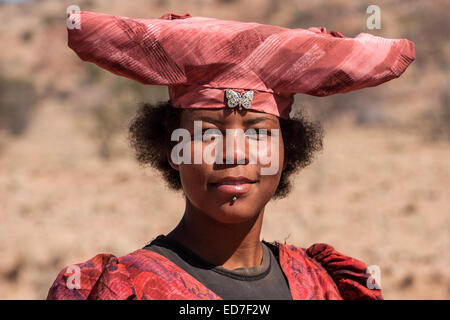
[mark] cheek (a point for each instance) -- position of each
(282, 158)
(271, 159)
(275, 167)
(269, 183)
(193, 177)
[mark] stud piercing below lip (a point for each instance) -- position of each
(234, 198)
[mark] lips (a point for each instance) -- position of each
(234, 180)
(234, 185)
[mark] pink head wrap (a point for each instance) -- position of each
(200, 58)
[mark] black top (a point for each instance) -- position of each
(263, 282)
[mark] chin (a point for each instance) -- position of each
(237, 212)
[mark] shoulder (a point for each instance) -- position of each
(350, 276)
(101, 277)
(107, 277)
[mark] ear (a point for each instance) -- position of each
(173, 165)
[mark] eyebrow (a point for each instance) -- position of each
(256, 120)
(246, 122)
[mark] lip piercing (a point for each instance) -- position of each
(234, 198)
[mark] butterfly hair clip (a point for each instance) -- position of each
(241, 100)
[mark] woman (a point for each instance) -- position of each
(231, 87)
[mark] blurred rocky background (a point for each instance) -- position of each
(70, 187)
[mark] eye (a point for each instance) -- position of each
(211, 132)
(257, 134)
(207, 134)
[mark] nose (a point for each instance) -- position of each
(234, 147)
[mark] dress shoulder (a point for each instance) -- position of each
(101, 278)
(141, 274)
(350, 275)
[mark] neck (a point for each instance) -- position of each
(224, 244)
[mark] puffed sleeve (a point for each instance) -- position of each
(351, 275)
(100, 278)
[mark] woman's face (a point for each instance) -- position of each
(257, 160)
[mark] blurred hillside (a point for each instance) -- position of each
(378, 191)
(36, 52)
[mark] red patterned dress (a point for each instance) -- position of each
(319, 272)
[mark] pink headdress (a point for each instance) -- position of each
(211, 63)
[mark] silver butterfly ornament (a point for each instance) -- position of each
(237, 99)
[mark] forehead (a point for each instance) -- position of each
(228, 116)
